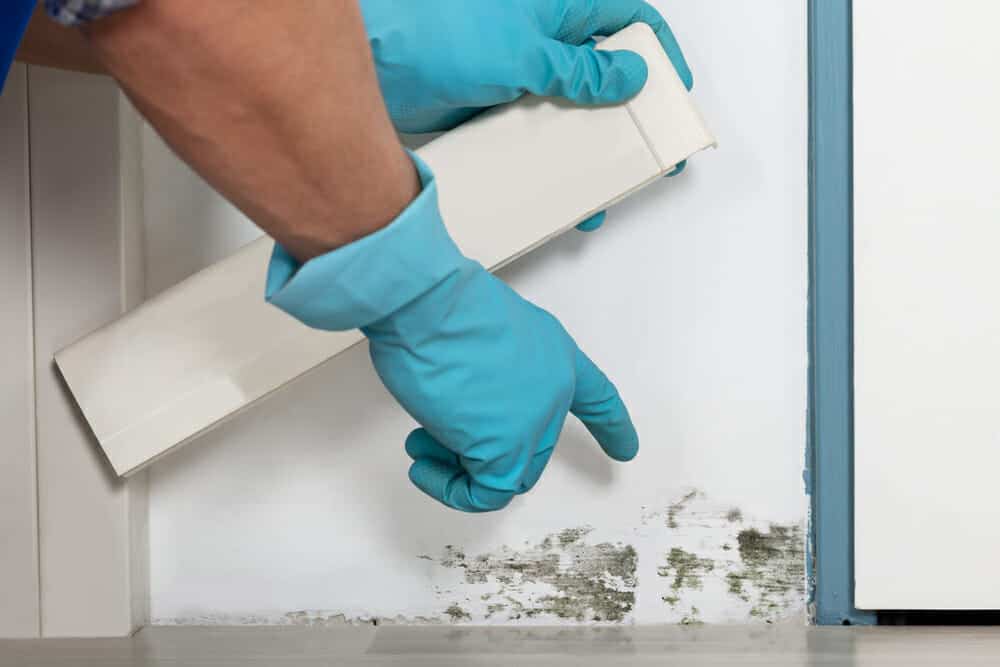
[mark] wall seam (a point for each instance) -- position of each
(33, 352)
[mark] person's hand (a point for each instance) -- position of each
(489, 376)
(441, 61)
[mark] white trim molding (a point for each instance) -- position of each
(92, 525)
(19, 606)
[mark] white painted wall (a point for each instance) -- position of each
(693, 298)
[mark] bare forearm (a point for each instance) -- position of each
(275, 103)
(50, 44)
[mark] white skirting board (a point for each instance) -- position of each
(18, 495)
(91, 524)
(509, 181)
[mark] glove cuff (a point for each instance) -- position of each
(373, 277)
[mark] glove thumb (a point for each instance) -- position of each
(584, 75)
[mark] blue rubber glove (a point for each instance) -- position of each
(489, 376)
(441, 61)
(593, 223)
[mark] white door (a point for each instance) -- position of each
(927, 303)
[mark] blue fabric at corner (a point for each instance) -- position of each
(13, 21)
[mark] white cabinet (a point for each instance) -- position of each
(927, 303)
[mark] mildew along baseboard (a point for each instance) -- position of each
(690, 561)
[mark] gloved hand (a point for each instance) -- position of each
(441, 61)
(489, 376)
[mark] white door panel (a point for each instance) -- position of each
(927, 317)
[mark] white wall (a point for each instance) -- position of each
(693, 298)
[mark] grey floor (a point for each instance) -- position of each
(581, 647)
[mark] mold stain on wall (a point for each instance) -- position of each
(675, 508)
(301, 618)
(718, 557)
(564, 577)
(700, 561)
(685, 570)
(772, 568)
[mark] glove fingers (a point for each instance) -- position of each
(599, 406)
(437, 471)
(649, 15)
(535, 468)
(593, 223)
(421, 445)
(279, 271)
(453, 487)
(607, 17)
(596, 221)
(586, 76)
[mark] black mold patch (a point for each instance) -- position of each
(772, 569)
(562, 576)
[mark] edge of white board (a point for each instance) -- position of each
(643, 140)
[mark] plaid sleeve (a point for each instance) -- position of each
(75, 12)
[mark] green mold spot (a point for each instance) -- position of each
(676, 508)
(454, 557)
(757, 548)
(735, 582)
(686, 571)
(693, 617)
(495, 608)
(561, 576)
(571, 536)
(456, 613)
(734, 515)
(771, 571)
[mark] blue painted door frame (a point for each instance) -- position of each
(830, 475)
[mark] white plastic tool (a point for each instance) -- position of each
(509, 180)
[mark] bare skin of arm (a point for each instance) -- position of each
(275, 103)
(49, 44)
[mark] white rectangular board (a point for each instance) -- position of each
(91, 524)
(927, 317)
(18, 495)
(509, 180)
